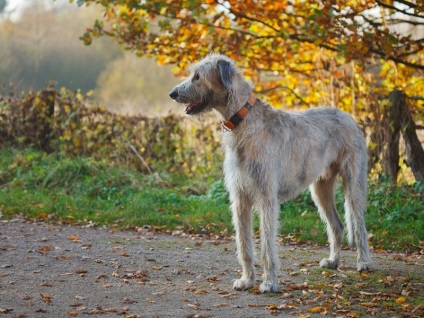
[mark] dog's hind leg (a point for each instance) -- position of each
(242, 219)
(355, 188)
(323, 195)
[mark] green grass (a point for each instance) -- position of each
(380, 293)
(85, 191)
(81, 190)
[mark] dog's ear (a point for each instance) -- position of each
(225, 72)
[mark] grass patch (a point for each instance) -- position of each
(86, 191)
(381, 293)
(82, 190)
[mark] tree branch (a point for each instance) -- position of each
(286, 88)
(385, 5)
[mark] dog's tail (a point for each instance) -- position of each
(355, 189)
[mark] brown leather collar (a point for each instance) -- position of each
(236, 119)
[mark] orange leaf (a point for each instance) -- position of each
(43, 216)
(316, 309)
(401, 300)
(74, 238)
(46, 298)
(272, 307)
(46, 248)
(72, 313)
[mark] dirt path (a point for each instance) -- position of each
(63, 271)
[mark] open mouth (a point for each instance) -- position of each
(194, 108)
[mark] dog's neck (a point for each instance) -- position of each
(238, 117)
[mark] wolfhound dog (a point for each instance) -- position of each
(271, 156)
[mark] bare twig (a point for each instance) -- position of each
(140, 157)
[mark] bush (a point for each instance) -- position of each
(68, 123)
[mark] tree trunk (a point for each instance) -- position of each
(392, 123)
(413, 148)
(398, 119)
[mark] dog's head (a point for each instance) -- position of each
(210, 85)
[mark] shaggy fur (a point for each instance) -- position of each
(274, 155)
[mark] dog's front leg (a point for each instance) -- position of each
(269, 212)
(242, 219)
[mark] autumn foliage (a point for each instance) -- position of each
(66, 122)
(340, 53)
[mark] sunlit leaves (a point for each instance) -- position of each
(73, 128)
(279, 44)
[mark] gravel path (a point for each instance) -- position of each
(49, 270)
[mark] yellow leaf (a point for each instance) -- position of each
(73, 238)
(401, 300)
(272, 307)
(316, 309)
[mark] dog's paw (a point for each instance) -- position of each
(364, 266)
(328, 263)
(269, 287)
(243, 284)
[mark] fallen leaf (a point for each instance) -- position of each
(213, 279)
(43, 216)
(110, 310)
(369, 294)
(46, 248)
(128, 301)
(5, 310)
(74, 238)
(272, 307)
(101, 276)
(41, 310)
(368, 304)
(256, 305)
(46, 298)
(72, 313)
(316, 309)
(221, 305)
(160, 293)
(401, 300)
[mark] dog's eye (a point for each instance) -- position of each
(196, 77)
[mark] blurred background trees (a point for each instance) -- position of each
(41, 46)
(340, 53)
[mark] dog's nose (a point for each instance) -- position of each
(173, 94)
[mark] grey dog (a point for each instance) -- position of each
(271, 156)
